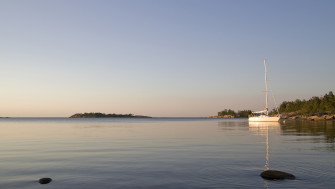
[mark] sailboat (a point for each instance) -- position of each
(263, 115)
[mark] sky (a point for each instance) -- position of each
(165, 58)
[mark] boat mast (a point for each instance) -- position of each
(266, 90)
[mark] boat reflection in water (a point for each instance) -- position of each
(263, 125)
(262, 128)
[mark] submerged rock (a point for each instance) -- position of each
(44, 180)
(276, 175)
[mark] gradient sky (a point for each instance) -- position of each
(161, 58)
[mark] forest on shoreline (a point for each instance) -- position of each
(228, 113)
(318, 106)
(315, 106)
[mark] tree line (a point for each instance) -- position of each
(314, 106)
(240, 113)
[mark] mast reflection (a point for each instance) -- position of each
(262, 128)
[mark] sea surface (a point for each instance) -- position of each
(164, 153)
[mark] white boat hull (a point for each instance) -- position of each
(264, 118)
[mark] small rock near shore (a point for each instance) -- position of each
(276, 175)
(44, 180)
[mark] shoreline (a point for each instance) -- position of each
(330, 117)
(311, 118)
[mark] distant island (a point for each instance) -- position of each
(103, 115)
(316, 108)
(232, 114)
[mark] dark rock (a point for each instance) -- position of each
(44, 180)
(276, 175)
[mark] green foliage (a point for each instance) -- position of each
(274, 112)
(226, 112)
(243, 113)
(315, 105)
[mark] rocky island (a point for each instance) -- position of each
(103, 115)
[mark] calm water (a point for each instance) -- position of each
(164, 153)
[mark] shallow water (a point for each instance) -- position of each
(164, 153)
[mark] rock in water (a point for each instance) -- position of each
(44, 180)
(276, 175)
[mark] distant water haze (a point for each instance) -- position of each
(155, 106)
